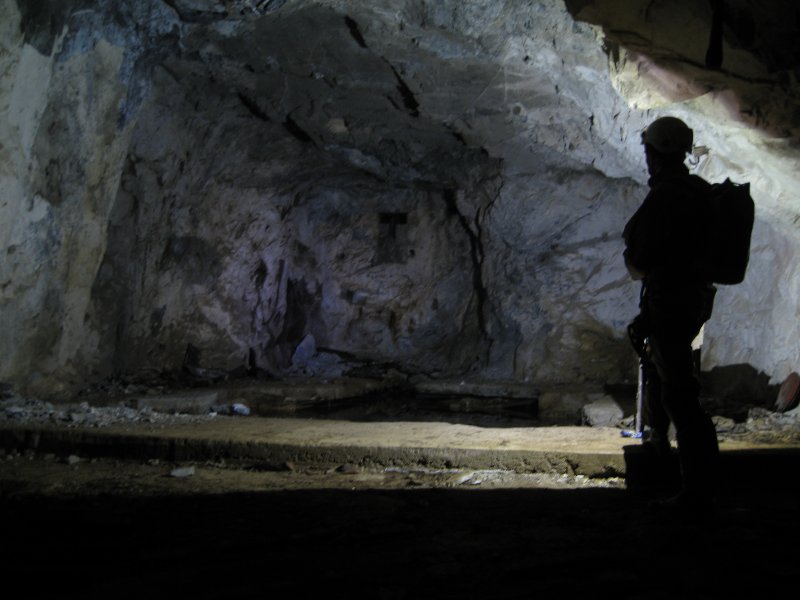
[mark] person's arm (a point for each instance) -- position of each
(635, 272)
(641, 239)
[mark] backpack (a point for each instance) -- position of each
(732, 213)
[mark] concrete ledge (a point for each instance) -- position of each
(579, 451)
(592, 452)
(480, 389)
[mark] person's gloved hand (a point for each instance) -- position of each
(637, 333)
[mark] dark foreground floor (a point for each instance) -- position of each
(409, 543)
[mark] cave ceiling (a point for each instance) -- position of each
(434, 93)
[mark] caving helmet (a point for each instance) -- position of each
(669, 135)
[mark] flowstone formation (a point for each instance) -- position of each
(309, 187)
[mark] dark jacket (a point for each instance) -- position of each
(666, 238)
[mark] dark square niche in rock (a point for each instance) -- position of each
(392, 238)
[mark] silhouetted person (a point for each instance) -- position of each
(665, 244)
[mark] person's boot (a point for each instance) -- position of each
(658, 443)
(698, 467)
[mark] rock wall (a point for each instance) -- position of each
(436, 185)
(244, 253)
(64, 140)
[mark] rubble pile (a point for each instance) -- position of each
(761, 419)
(31, 411)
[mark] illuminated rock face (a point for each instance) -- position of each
(436, 185)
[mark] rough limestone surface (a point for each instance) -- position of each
(432, 184)
(602, 412)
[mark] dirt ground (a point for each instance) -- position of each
(103, 528)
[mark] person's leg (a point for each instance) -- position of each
(697, 442)
(655, 416)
